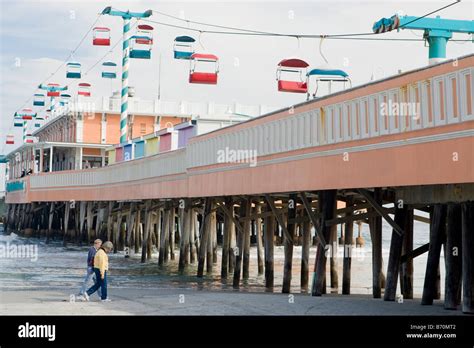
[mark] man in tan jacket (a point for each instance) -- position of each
(101, 266)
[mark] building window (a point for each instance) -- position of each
(142, 128)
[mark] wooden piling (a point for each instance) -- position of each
(192, 236)
(376, 236)
(347, 262)
(214, 235)
(453, 257)
(172, 232)
(246, 244)
(110, 220)
(240, 236)
(333, 264)
(185, 213)
(117, 229)
(50, 221)
(226, 239)
(233, 243)
(67, 208)
(437, 231)
(90, 221)
(258, 227)
(146, 234)
(211, 235)
(305, 255)
(327, 204)
(406, 268)
(468, 257)
(268, 231)
(395, 254)
(204, 236)
(164, 235)
(288, 244)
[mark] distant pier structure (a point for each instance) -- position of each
(291, 176)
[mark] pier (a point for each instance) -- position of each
(319, 168)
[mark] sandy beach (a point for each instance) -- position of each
(47, 283)
(203, 302)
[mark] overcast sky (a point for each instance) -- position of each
(36, 37)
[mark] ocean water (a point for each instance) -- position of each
(58, 267)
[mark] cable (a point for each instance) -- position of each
(43, 109)
(426, 15)
(208, 25)
(244, 31)
(63, 63)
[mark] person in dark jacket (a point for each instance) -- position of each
(90, 266)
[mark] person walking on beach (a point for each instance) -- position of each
(101, 266)
(90, 266)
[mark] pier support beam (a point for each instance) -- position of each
(246, 245)
(305, 255)
(193, 236)
(226, 238)
(240, 236)
(468, 257)
(204, 234)
(67, 208)
(164, 235)
(184, 254)
(90, 220)
(259, 232)
(50, 221)
(172, 232)
(376, 237)
(453, 257)
(288, 244)
(269, 228)
(146, 234)
(406, 268)
(211, 236)
(401, 215)
(348, 235)
(327, 204)
(437, 232)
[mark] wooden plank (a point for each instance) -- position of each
(378, 208)
(279, 219)
(231, 216)
(357, 217)
(416, 252)
(313, 219)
